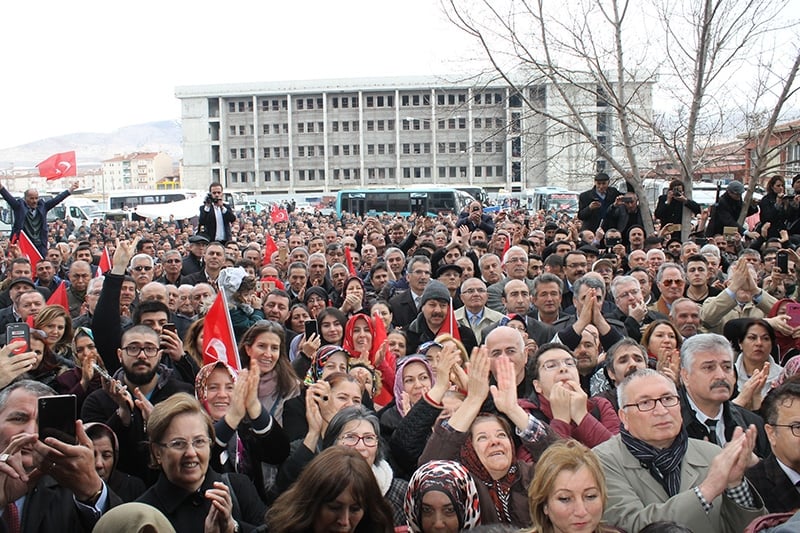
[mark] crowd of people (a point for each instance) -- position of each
(510, 371)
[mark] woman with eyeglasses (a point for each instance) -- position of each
(57, 324)
(191, 494)
(358, 428)
(246, 435)
(562, 403)
(81, 380)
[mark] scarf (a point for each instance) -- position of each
(383, 475)
(664, 465)
(268, 390)
(499, 489)
(450, 478)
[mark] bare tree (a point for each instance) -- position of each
(618, 52)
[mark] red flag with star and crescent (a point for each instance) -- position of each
(28, 249)
(58, 166)
(59, 296)
(219, 342)
(450, 324)
(269, 248)
(105, 263)
(279, 214)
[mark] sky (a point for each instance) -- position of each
(94, 66)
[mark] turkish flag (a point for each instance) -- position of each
(58, 166)
(279, 214)
(450, 324)
(269, 248)
(105, 263)
(59, 297)
(349, 260)
(219, 343)
(28, 250)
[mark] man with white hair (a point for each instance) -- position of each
(515, 265)
(655, 472)
(631, 309)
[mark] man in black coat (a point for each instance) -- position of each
(216, 216)
(474, 219)
(777, 476)
(432, 317)
(726, 211)
(593, 205)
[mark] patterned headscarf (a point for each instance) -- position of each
(202, 377)
(791, 368)
(398, 378)
(314, 373)
(453, 480)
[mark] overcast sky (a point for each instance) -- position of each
(94, 66)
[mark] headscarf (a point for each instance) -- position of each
(314, 373)
(785, 342)
(133, 517)
(398, 378)
(347, 342)
(450, 478)
(105, 431)
(316, 290)
(499, 489)
(791, 368)
(202, 378)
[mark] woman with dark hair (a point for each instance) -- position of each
(772, 206)
(315, 299)
(354, 296)
(188, 491)
(264, 343)
(336, 490)
(330, 328)
(106, 452)
(442, 496)
(787, 345)
(663, 342)
(193, 341)
(754, 341)
(483, 442)
(47, 367)
(355, 427)
(298, 315)
(384, 311)
(246, 435)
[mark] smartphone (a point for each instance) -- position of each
(56, 417)
(782, 262)
(793, 310)
(18, 331)
(613, 241)
(730, 230)
(282, 254)
(311, 328)
(701, 241)
(102, 371)
(169, 326)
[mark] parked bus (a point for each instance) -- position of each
(134, 198)
(429, 201)
(552, 199)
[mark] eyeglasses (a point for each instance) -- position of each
(351, 439)
(795, 428)
(670, 282)
(649, 405)
(133, 350)
(140, 268)
(181, 445)
(554, 364)
(479, 290)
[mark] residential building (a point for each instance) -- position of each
(138, 170)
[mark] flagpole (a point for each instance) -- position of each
(230, 328)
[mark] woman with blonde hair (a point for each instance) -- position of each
(57, 324)
(568, 491)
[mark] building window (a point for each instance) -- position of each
(322, 150)
(301, 151)
(442, 148)
(498, 146)
(406, 149)
(345, 102)
(346, 149)
(354, 102)
(233, 153)
(462, 148)
(476, 147)
(381, 149)
(319, 103)
(266, 153)
(370, 149)
(276, 152)
(310, 103)
(310, 151)
(390, 147)
(310, 127)
(355, 125)
(370, 125)
(462, 123)
(335, 126)
(406, 172)
(476, 123)
(452, 148)
(335, 102)
(380, 125)
(478, 172)
(441, 124)
(440, 101)
(242, 153)
(299, 103)
(265, 129)
(390, 125)
(356, 149)
(300, 126)
(335, 149)
(370, 101)
(321, 127)
(405, 125)
(233, 130)
(380, 101)
(285, 151)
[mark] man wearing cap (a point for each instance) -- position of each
(12, 313)
(431, 319)
(193, 262)
(593, 205)
(19, 268)
(726, 212)
(450, 276)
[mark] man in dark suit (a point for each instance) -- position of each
(405, 306)
(778, 476)
(70, 496)
(30, 214)
(593, 205)
(215, 216)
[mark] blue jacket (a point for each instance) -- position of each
(20, 209)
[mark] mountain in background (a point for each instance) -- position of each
(92, 148)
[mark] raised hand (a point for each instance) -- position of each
(13, 477)
(238, 406)
(12, 366)
(220, 516)
(71, 465)
(478, 381)
(750, 396)
(560, 401)
(251, 401)
(143, 404)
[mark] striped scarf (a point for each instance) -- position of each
(664, 465)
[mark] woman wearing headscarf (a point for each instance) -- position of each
(245, 433)
(439, 486)
(106, 453)
(365, 339)
(81, 380)
(413, 380)
(788, 346)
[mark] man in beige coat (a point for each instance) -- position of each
(654, 471)
(743, 298)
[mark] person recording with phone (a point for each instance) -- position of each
(623, 215)
(216, 217)
(670, 206)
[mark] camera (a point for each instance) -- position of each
(677, 193)
(209, 199)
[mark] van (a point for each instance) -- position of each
(77, 209)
